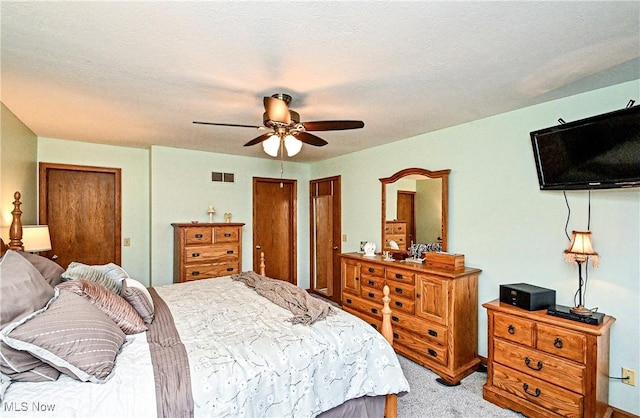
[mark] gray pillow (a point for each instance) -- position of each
(139, 298)
(50, 270)
(70, 334)
(23, 291)
(77, 271)
(114, 306)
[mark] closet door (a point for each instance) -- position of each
(82, 207)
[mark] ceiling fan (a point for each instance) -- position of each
(286, 128)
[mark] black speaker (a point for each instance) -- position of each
(527, 296)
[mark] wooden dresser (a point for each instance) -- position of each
(395, 231)
(545, 366)
(434, 313)
(201, 251)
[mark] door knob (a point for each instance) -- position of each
(335, 248)
(258, 247)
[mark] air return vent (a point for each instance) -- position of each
(222, 177)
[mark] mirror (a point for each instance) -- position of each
(414, 208)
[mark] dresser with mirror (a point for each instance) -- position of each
(434, 311)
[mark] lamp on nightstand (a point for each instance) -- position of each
(579, 251)
(36, 238)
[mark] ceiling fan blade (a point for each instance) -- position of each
(229, 124)
(277, 110)
(333, 125)
(259, 139)
(310, 139)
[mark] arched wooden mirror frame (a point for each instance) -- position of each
(441, 174)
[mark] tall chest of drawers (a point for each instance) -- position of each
(546, 366)
(206, 250)
(434, 313)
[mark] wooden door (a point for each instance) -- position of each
(322, 257)
(326, 232)
(406, 211)
(82, 207)
(275, 227)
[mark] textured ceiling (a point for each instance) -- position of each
(138, 73)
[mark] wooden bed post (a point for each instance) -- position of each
(391, 404)
(15, 230)
(262, 265)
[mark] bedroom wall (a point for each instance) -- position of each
(506, 226)
(181, 191)
(134, 163)
(18, 168)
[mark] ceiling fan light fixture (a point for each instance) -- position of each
(292, 144)
(271, 145)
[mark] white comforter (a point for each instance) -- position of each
(245, 359)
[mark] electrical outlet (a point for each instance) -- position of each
(628, 376)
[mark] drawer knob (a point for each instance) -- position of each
(432, 333)
(371, 282)
(198, 235)
(511, 329)
(371, 295)
(374, 326)
(399, 304)
(374, 310)
(557, 343)
(398, 276)
(229, 268)
(398, 290)
(195, 255)
(395, 319)
(432, 352)
(349, 300)
(227, 235)
(396, 336)
(538, 365)
(229, 251)
(371, 270)
(534, 394)
(195, 273)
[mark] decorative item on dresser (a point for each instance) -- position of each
(434, 311)
(545, 366)
(206, 250)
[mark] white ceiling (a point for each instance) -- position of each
(138, 73)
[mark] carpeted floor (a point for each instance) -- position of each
(428, 398)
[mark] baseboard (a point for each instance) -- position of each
(618, 413)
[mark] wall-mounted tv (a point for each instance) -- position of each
(599, 152)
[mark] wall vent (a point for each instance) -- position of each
(222, 177)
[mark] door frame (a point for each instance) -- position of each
(43, 168)
(293, 226)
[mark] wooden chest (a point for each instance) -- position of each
(434, 312)
(546, 366)
(206, 250)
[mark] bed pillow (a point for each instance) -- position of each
(77, 271)
(50, 270)
(70, 334)
(114, 306)
(139, 298)
(23, 291)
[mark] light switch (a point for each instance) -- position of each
(127, 242)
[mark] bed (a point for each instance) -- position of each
(213, 347)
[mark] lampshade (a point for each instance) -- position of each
(292, 145)
(35, 238)
(211, 209)
(272, 145)
(581, 248)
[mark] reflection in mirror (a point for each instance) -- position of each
(414, 210)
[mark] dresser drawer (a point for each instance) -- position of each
(226, 234)
(401, 275)
(198, 235)
(417, 345)
(218, 252)
(204, 271)
(398, 290)
(424, 329)
(546, 395)
(538, 364)
(374, 322)
(374, 309)
(367, 269)
(373, 281)
(513, 328)
(562, 342)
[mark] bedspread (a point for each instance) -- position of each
(247, 359)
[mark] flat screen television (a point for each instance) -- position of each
(599, 152)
